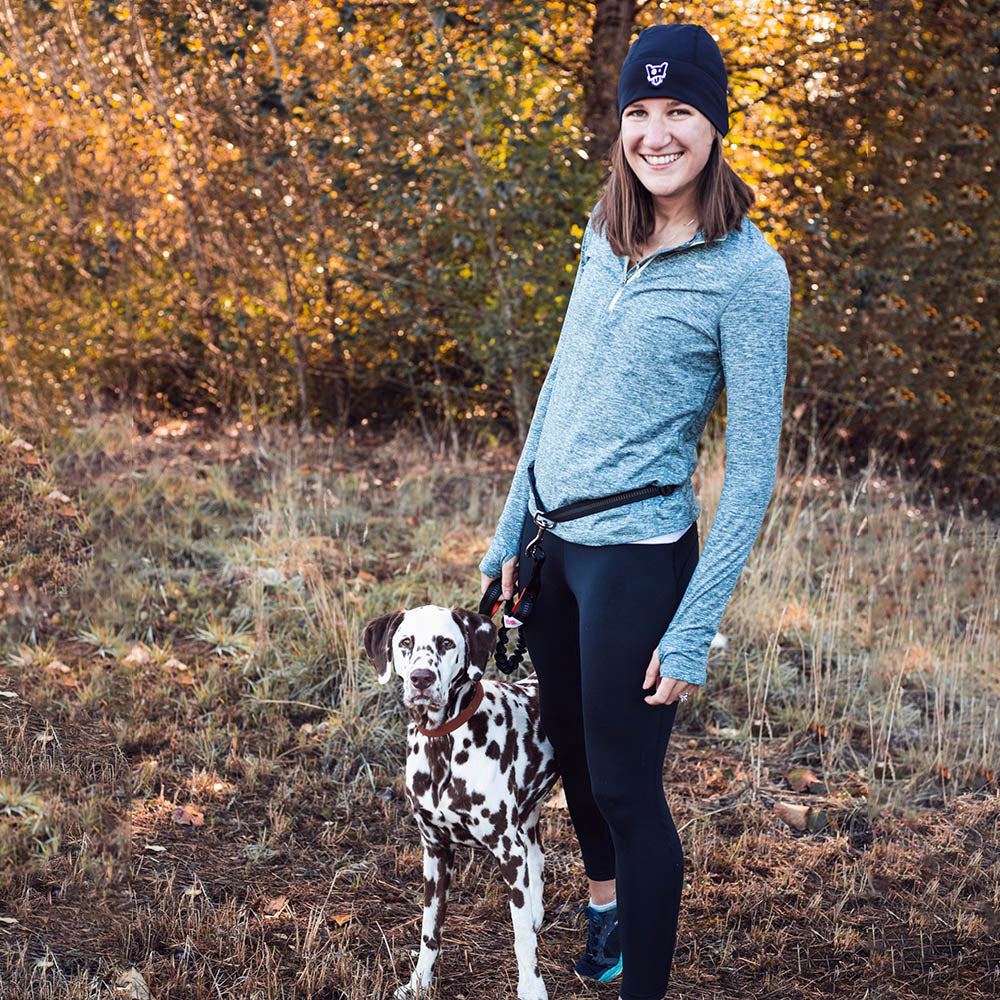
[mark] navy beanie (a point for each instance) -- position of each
(680, 61)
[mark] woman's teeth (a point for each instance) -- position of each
(658, 161)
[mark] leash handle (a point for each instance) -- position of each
(489, 603)
(518, 607)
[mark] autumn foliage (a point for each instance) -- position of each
(371, 211)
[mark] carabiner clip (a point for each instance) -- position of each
(529, 549)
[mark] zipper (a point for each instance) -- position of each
(642, 265)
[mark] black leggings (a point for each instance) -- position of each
(600, 614)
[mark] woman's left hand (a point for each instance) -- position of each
(669, 689)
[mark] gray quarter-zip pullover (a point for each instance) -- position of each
(643, 355)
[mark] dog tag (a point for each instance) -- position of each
(511, 622)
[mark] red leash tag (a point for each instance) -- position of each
(510, 622)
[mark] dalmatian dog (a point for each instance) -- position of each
(477, 769)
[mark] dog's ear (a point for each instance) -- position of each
(480, 640)
(378, 642)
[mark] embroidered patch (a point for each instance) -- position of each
(656, 73)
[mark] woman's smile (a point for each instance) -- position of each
(663, 160)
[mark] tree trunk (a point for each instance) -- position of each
(609, 41)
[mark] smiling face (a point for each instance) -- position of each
(667, 144)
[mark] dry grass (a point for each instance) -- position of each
(863, 644)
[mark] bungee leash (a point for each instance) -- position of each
(517, 609)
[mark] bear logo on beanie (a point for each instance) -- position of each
(656, 73)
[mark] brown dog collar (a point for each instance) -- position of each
(461, 719)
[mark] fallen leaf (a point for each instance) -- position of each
(8, 920)
(132, 985)
(46, 736)
(364, 577)
(275, 905)
(802, 817)
(156, 848)
(186, 679)
(19, 444)
(801, 778)
(31, 460)
(58, 665)
(793, 815)
(187, 816)
(57, 496)
(68, 682)
(340, 918)
(174, 664)
(138, 656)
(68, 512)
(9, 694)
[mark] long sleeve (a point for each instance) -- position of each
(508, 530)
(753, 332)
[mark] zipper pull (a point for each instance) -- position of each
(617, 296)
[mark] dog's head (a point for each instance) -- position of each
(431, 648)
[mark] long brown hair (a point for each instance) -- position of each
(626, 208)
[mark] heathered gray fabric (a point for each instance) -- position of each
(635, 375)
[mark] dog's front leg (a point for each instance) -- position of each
(517, 873)
(438, 862)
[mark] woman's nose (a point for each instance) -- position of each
(657, 132)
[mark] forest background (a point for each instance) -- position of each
(369, 213)
(278, 285)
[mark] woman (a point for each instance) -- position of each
(677, 294)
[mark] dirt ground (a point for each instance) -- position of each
(190, 821)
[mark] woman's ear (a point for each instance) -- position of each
(378, 642)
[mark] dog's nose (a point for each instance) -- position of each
(422, 679)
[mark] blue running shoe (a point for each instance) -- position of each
(602, 959)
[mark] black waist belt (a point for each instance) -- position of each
(581, 508)
(518, 609)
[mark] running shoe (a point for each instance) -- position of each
(602, 959)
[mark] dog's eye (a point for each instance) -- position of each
(406, 642)
(447, 644)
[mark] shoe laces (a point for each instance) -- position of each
(595, 924)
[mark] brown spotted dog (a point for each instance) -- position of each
(477, 769)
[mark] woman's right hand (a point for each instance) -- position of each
(507, 574)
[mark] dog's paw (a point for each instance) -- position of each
(532, 991)
(415, 989)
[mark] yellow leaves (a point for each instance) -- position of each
(576, 231)
(466, 272)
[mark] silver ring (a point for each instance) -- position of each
(683, 697)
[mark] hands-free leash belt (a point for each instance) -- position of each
(519, 608)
